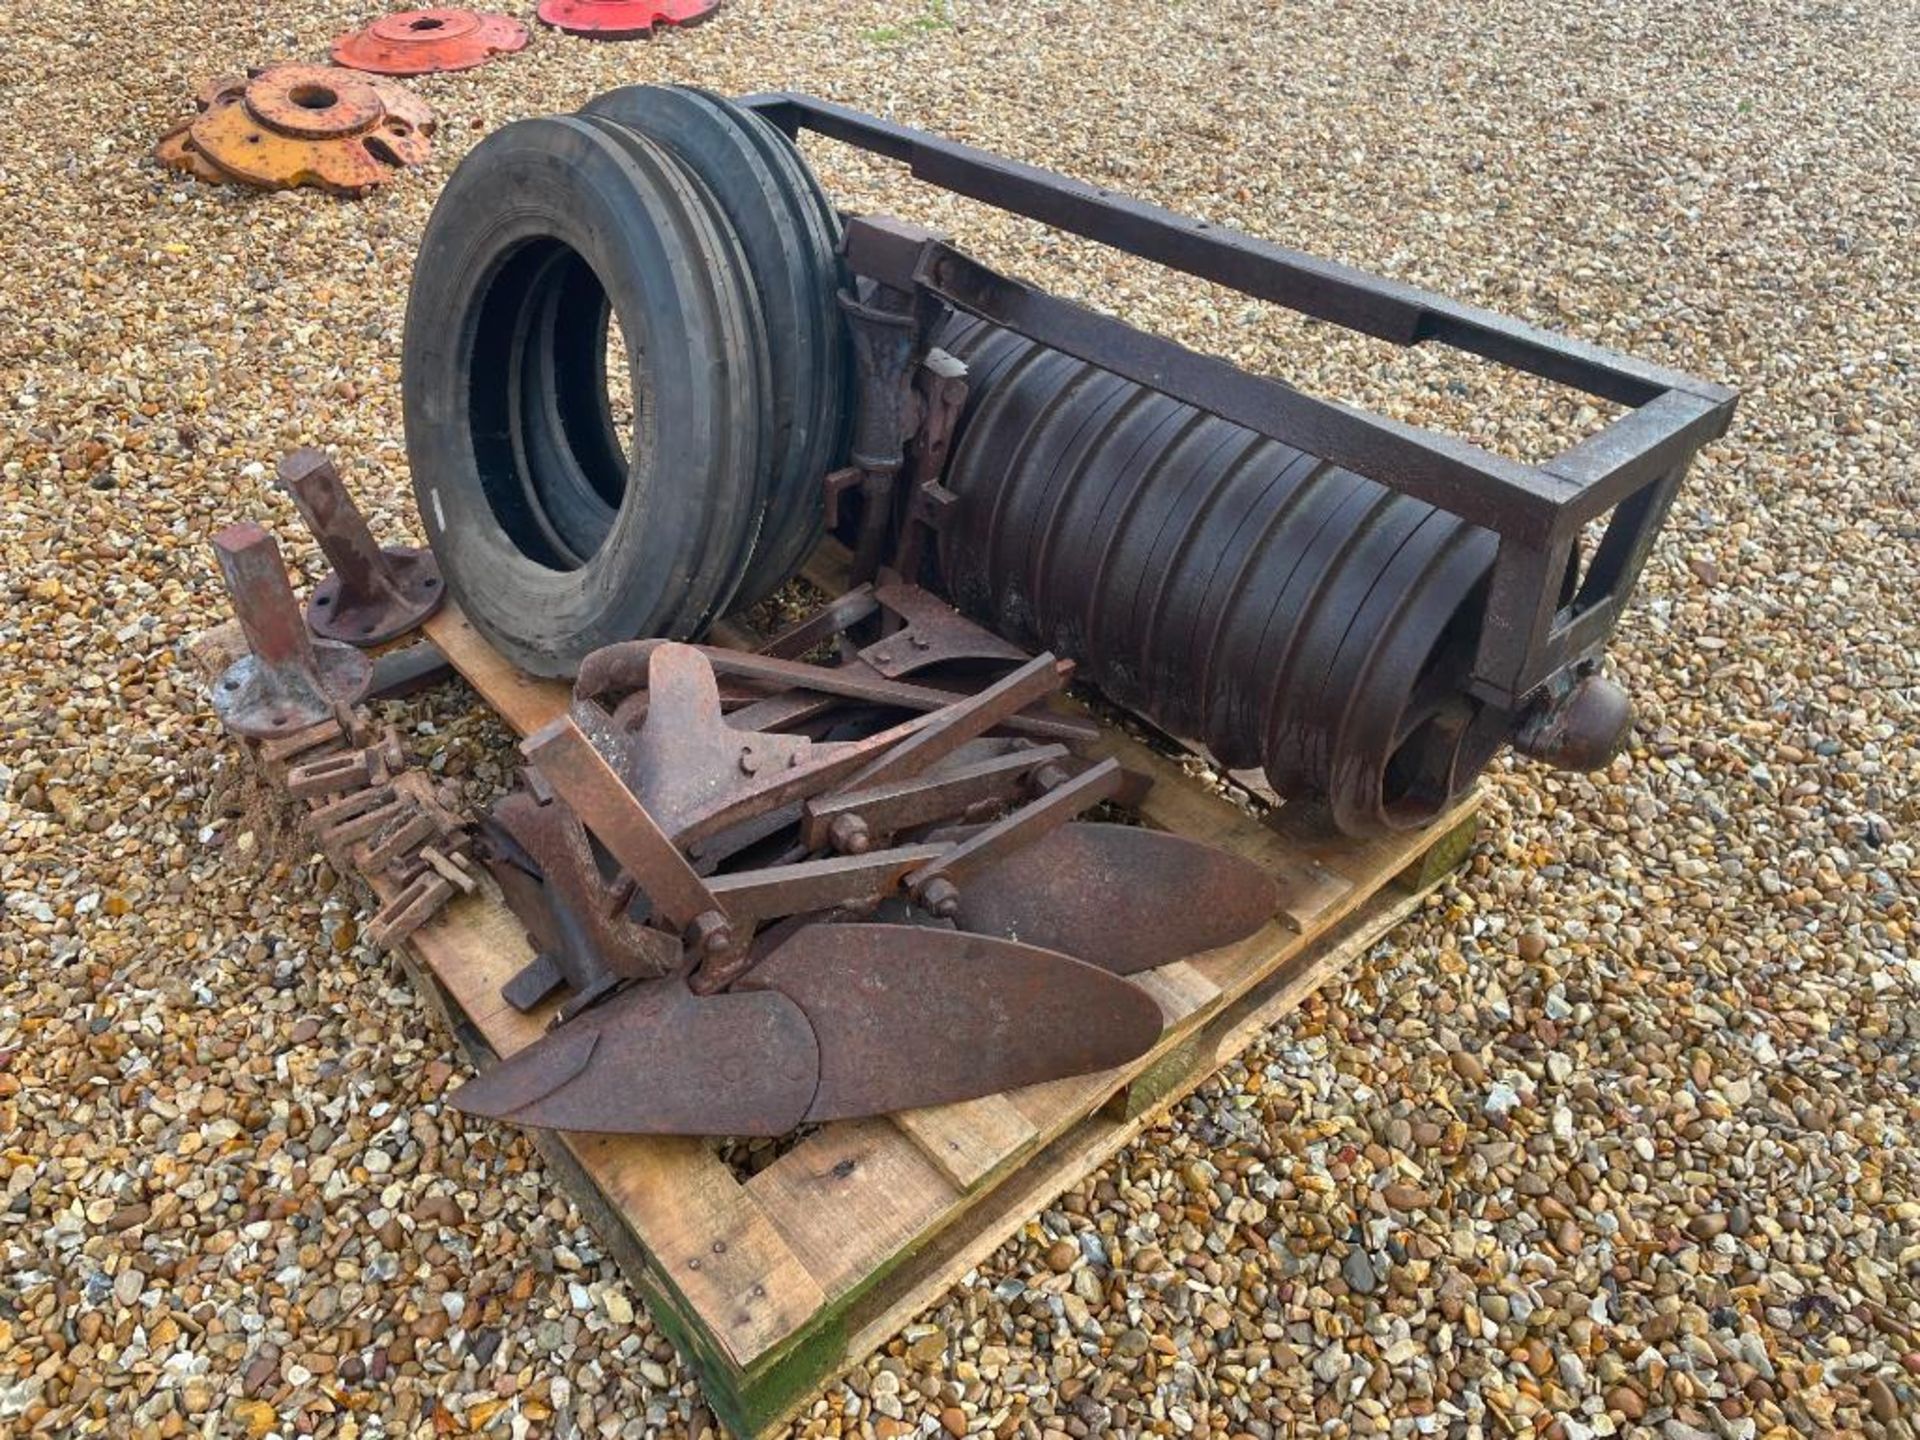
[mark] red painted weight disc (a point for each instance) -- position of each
(621, 19)
(420, 42)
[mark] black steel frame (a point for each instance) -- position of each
(1628, 471)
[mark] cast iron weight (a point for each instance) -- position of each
(373, 595)
(287, 681)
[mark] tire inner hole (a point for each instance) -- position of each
(551, 354)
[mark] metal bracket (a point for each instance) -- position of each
(373, 595)
(287, 681)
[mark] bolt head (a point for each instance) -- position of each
(849, 835)
(940, 897)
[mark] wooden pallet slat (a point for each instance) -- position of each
(851, 1196)
(967, 1140)
(711, 1235)
(772, 1284)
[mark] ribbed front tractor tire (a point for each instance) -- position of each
(558, 222)
(790, 237)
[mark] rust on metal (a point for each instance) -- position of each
(1578, 726)
(930, 632)
(830, 621)
(420, 42)
(837, 1021)
(657, 1059)
(622, 19)
(453, 866)
(578, 920)
(340, 728)
(699, 774)
(962, 722)
(853, 1018)
(685, 761)
(400, 838)
(829, 884)
(849, 1014)
(366, 808)
(373, 595)
(1119, 896)
(290, 125)
(287, 682)
(423, 898)
(670, 863)
(581, 776)
(1367, 611)
(991, 844)
(358, 817)
(623, 667)
(333, 774)
(850, 819)
(905, 1016)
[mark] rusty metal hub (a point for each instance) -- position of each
(421, 42)
(622, 19)
(290, 125)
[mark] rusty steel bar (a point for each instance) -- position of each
(1346, 296)
(935, 885)
(373, 595)
(850, 818)
(809, 885)
(828, 622)
(965, 719)
(581, 777)
(623, 667)
(287, 681)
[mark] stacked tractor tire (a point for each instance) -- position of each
(698, 225)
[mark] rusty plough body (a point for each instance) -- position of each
(789, 892)
(765, 891)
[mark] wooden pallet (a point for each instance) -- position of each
(773, 1285)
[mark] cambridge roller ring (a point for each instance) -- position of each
(1365, 612)
(1290, 615)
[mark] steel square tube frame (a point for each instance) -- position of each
(1629, 471)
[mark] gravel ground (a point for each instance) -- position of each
(1618, 1138)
